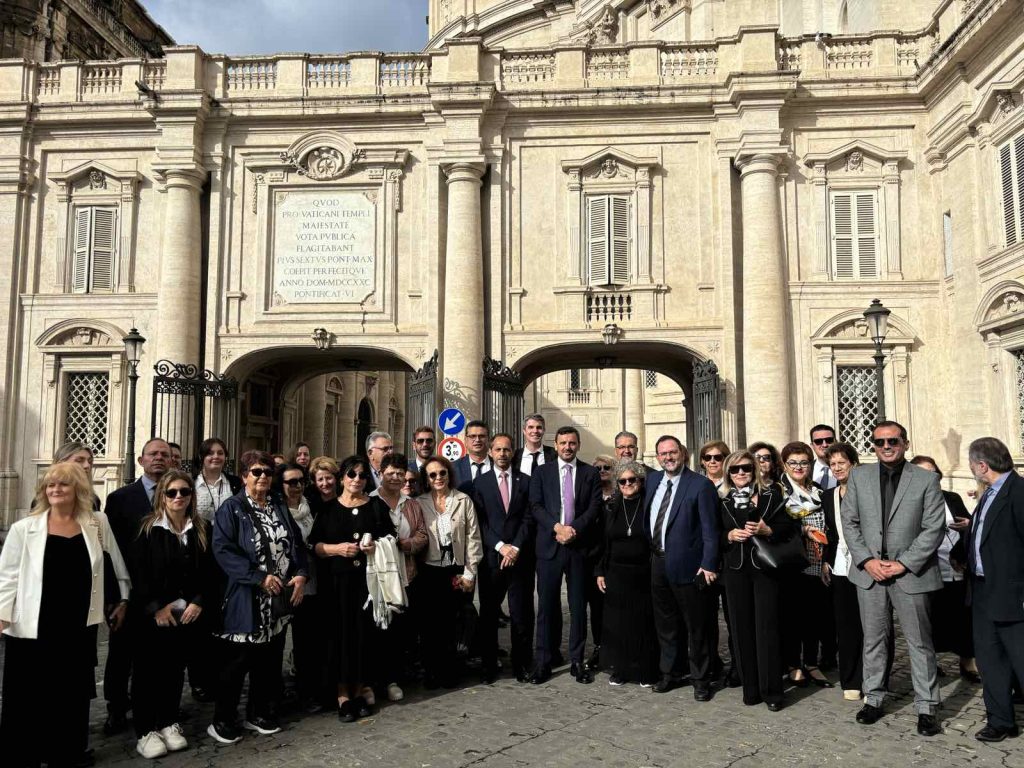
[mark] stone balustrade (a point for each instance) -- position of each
(881, 54)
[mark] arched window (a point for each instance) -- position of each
(365, 424)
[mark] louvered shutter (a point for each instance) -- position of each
(104, 228)
(80, 260)
(1009, 204)
(619, 240)
(867, 236)
(842, 235)
(597, 240)
(1018, 151)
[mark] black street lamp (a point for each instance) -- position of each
(133, 353)
(878, 324)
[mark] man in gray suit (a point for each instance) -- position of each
(893, 520)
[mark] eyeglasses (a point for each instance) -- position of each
(259, 472)
(440, 473)
(881, 442)
(746, 469)
(293, 483)
(823, 440)
(712, 457)
(798, 464)
(764, 458)
(628, 481)
(353, 475)
(424, 440)
(409, 481)
(383, 448)
(173, 493)
(603, 467)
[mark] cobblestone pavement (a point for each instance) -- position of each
(563, 723)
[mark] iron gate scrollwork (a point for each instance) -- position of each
(503, 399)
(707, 402)
(191, 404)
(421, 398)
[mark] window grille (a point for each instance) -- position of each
(855, 235)
(86, 408)
(575, 378)
(608, 239)
(857, 405)
(328, 431)
(95, 236)
(1011, 175)
(650, 379)
(1019, 358)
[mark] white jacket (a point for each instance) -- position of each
(386, 581)
(21, 571)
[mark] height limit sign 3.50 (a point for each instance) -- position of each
(452, 448)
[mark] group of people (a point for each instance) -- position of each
(374, 562)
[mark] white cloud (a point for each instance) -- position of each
(240, 27)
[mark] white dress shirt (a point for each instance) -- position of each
(526, 463)
(656, 503)
(474, 473)
(819, 468)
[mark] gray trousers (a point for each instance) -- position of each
(914, 615)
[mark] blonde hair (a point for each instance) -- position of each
(160, 506)
(757, 478)
(73, 475)
(322, 464)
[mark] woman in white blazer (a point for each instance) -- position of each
(454, 549)
(51, 595)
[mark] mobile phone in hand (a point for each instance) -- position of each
(701, 581)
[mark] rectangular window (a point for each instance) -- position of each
(855, 244)
(95, 237)
(947, 242)
(608, 239)
(650, 379)
(1011, 174)
(857, 403)
(579, 394)
(85, 410)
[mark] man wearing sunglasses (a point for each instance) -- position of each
(423, 442)
(894, 518)
(822, 436)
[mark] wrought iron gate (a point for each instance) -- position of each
(707, 403)
(503, 400)
(190, 405)
(421, 398)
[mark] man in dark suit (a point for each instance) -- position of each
(681, 522)
(125, 509)
(565, 500)
(476, 461)
(533, 453)
(995, 580)
(502, 498)
(424, 443)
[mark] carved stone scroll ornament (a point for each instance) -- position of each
(323, 163)
(603, 31)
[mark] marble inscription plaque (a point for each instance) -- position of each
(324, 246)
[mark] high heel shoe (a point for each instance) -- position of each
(799, 682)
(821, 682)
(345, 713)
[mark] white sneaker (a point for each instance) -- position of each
(151, 745)
(851, 694)
(173, 738)
(395, 693)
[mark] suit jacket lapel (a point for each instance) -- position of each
(682, 482)
(906, 479)
(996, 507)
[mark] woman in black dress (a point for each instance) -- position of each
(343, 538)
(629, 644)
(47, 622)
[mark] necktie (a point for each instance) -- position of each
(978, 523)
(888, 494)
(503, 489)
(659, 521)
(479, 468)
(568, 499)
(533, 464)
(825, 477)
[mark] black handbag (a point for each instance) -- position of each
(780, 555)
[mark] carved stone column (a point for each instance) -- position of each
(633, 398)
(463, 339)
(178, 298)
(767, 365)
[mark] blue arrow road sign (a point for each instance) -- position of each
(451, 421)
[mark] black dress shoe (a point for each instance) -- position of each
(594, 662)
(732, 679)
(581, 673)
(540, 675)
(774, 706)
(701, 692)
(345, 712)
(522, 676)
(970, 676)
(115, 723)
(664, 685)
(361, 707)
(991, 733)
(869, 714)
(927, 725)
(821, 682)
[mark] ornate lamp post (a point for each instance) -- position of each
(878, 324)
(133, 353)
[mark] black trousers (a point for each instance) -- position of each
(441, 605)
(752, 597)
(517, 583)
(807, 620)
(999, 649)
(849, 633)
(595, 602)
(118, 669)
(683, 611)
(262, 663)
(571, 564)
(202, 657)
(309, 651)
(158, 674)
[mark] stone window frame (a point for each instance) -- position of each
(106, 187)
(843, 340)
(999, 320)
(854, 166)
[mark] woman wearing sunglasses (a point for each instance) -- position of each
(454, 548)
(623, 575)
(259, 548)
(768, 461)
(753, 506)
(172, 563)
(712, 460)
(808, 615)
(343, 538)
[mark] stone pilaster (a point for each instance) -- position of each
(633, 399)
(767, 364)
(463, 335)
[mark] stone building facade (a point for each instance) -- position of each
(711, 191)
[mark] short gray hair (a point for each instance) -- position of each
(624, 433)
(376, 436)
(635, 467)
(991, 451)
(533, 417)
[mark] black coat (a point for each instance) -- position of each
(1002, 552)
(495, 525)
(546, 505)
(164, 570)
(771, 508)
(126, 508)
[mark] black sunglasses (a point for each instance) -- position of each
(712, 457)
(881, 442)
(353, 475)
(603, 467)
(823, 440)
(424, 440)
(293, 483)
(628, 481)
(259, 472)
(173, 493)
(439, 473)
(735, 469)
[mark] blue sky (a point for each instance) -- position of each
(273, 26)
